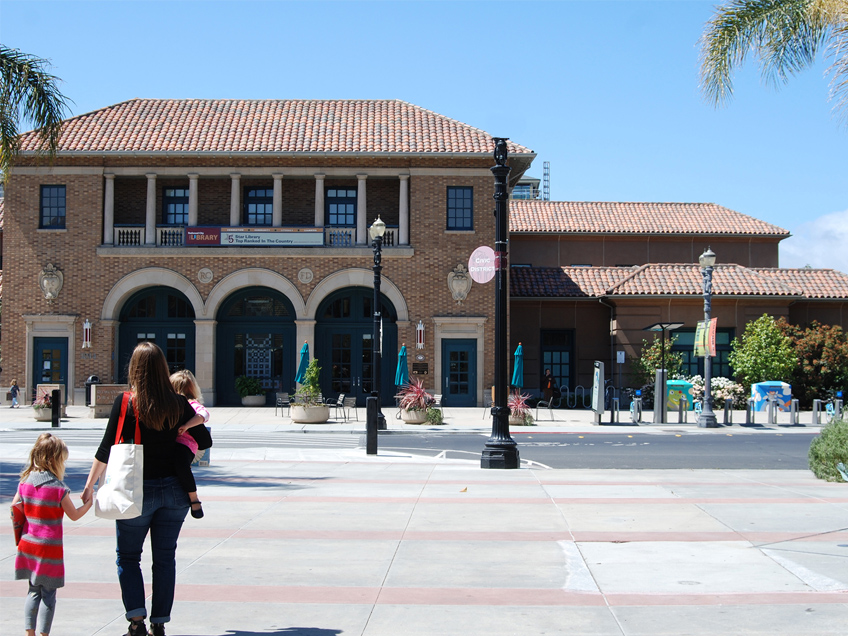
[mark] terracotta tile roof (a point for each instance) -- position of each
(586, 217)
(815, 283)
(285, 125)
(686, 280)
(563, 282)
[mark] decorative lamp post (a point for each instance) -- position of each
(500, 451)
(377, 230)
(707, 419)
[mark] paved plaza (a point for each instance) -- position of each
(324, 541)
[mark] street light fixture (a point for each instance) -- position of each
(707, 419)
(377, 230)
(660, 415)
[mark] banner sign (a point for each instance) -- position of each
(481, 264)
(255, 236)
(705, 338)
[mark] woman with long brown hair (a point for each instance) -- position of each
(160, 412)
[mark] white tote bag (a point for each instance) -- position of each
(121, 494)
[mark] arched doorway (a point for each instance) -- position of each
(160, 315)
(256, 337)
(343, 344)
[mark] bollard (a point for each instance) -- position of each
(614, 416)
(794, 416)
(749, 412)
(55, 407)
(816, 412)
(371, 425)
(681, 411)
(772, 411)
(636, 411)
(728, 413)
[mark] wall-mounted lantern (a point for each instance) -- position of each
(419, 335)
(86, 334)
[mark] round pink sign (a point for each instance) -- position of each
(481, 265)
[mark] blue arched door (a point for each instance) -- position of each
(256, 338)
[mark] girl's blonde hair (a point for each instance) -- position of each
(14, 382)
(186, 384)
(49, 453)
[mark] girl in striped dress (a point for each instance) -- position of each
(45, 500)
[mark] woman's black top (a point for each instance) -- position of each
(159, 446)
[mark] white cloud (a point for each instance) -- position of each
(822, 242)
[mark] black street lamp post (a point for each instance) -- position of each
(707, 419)
(500, 451)
(377, 230)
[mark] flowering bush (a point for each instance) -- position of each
(722, 390)
(519, 407)
(413, 396)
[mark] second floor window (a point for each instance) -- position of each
(259, 206)
(341, 207)
(175, 206)
(52, 207)
(460, 208)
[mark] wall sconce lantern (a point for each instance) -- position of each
(86, 334)
(419, 335)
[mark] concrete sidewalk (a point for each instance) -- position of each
(320, 542)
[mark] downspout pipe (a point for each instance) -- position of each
(612, 335)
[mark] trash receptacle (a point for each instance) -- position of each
(780, 391)
(678, 389)
(92, 379)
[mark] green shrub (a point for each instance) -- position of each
(246, 385)
(829, 449)
(643, 369)
(434, 416)
(762, 354)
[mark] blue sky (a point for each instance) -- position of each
(605, 91)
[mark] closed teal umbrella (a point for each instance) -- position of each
(402, 373)
(300, 376)
(518, 368)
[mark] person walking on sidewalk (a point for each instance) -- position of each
(44, 500)
(549, 386)
(14, 390)
(160, 412)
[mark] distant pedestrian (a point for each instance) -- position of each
(45, 500)
(548, 386)
(190, 438)
(14, 390)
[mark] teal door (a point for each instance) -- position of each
(459, 372)
(50, 358)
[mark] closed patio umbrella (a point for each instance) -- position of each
(300, 376)
(518, 368)
(402, 373)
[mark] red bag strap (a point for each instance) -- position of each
(119, 439)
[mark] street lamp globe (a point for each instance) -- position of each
(377, 229)
(707, 259)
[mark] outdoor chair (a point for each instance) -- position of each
(553, 403)
(350, 406)
(338, 404)
(487, 406)
(282, 402)
(437, 402)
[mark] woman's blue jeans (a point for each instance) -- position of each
(163, 512)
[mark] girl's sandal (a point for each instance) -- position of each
(197, 513)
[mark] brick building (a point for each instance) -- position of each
(229, 232)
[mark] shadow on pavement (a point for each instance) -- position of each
(288, 631)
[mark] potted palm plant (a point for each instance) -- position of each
(250, 391)
(413, 402)
(519, 409)
(308, 406)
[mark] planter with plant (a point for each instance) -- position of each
(519, 409)
(42, 408)
(250, 391)
(308, 406)
(414, 402)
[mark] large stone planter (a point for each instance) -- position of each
(43, 415)
(317, 414)
(253, 400)
(413, 417)
(516, 420)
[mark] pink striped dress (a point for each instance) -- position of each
(40, 558)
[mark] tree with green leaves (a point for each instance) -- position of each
(786, 36)
(822, 360)
(28, 93)
(643, 369)
(762, 354)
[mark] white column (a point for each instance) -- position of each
(361, 211)
(204, 358)
(150, 219)
(192, 199)
(277, 209)
(235, 200)
(403, 209)
(109, 211)
(319, 200)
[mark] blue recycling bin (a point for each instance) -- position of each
(677, 389)
(780, 391)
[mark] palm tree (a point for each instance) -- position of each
(28, 92)
(786, 36)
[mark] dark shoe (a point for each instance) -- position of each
(197, 513)
(156, 629)
(137, 628)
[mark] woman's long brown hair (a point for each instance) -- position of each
(158, 406)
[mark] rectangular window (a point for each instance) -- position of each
(460, 208)
(340, 206)
(175, 206)
(556, 350)
(259, 206)
(53, 207)
(684, 343)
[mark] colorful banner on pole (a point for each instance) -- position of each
(705, 338)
